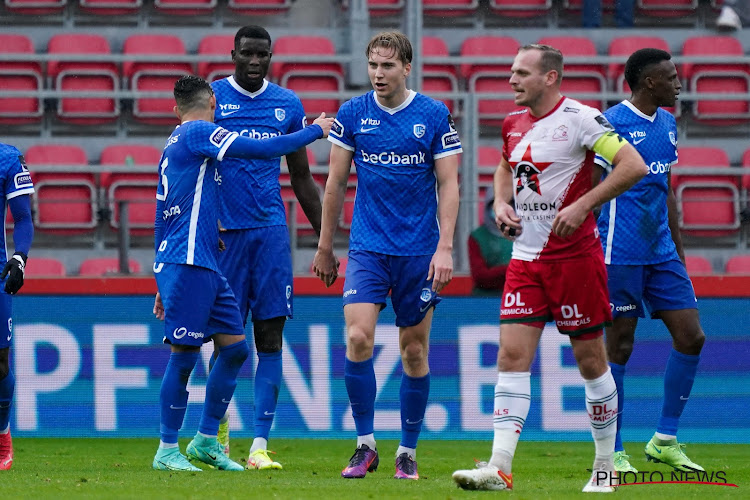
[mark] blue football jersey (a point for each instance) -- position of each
(395, 209)
(189, 190)
(634, 227)
(16, 181)
(250, 190)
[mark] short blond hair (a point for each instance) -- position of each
(391, 40)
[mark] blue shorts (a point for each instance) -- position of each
(197, 303)
(370, 276)
(6, 323)
(258, 266)
(663, 287)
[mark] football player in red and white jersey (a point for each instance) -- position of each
(544, 197)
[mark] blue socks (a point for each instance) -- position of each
(678, 382)
(7, 385)
(413, 395)
(618, 373)
(267, 384)
(361, 386)
(174, 395)
(221, 384)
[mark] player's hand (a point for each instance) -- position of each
(569, 219)
(325, 123)
(158, 307)
(15, 270)
(507, 221)
(441, 269)
(326, 266)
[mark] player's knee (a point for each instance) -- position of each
(619, 352)
(413, 353)
(691, 343)
(269, 342)
(239, 352)
(513, 360)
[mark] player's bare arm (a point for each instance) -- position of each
(158, 307)
(674, 219)
(324, 263)
(629, 169)
(505, 215)
(304, 187)
(441, 265)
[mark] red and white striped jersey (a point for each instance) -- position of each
(552, 162)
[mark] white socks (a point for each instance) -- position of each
(601, 405)
(368, 439)
(259, 444)
(512, 399)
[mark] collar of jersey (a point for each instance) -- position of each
(640, 113)
(393, 111)
(535, 119)
(236, 86)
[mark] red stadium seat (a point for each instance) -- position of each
(260, 7)
(82, 77)
(696, 264)
(44, 266)
(450, 8)
(16, 76)
(488, 77)
(185, 7)
(137, 188)
(301, 77)
(579, 77)
(110, 7)
(667, 8)
(304, 227)
(154, 76)
(520, 8)
(348, 210)
(64, 202)
(216, 45)
(104, 266)
(384, 7)
(488, 160)
(709, 205)
(738, 264)
(438, 77)
(717, 78)
(36, 7)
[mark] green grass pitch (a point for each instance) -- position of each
(121, 468)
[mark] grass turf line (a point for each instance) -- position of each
(121, 468)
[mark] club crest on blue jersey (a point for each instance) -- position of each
(280, 114)
(419, 130)
(426, 295)
(672, 138)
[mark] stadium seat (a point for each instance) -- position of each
(17, 76)
(110, 7)
(520, 8)
(82, 77)
(304, 227)
(44, 266)
(185, 7)
(667, 8)
(438, 77)
(35, 7)
(154, 76)
(137, 188)
(64, 202)
(450, 8)
(575, 6)
(301, 77)
(384, 7)
(579, 77)
(348, 210)
(105, 266)
(488, 77)
(738, 264)
(260, 7)
(709, 205)
(488, 160)
(717, 78)
(213, 45)
(696, 264)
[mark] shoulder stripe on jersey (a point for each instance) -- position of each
(194, 213)
(610, 230)
(340, 144)
(448, 153)
(227, 142)
(19, 193)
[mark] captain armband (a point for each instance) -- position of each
(608, 145)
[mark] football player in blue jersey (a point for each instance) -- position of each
(644, 256)
(405, 147)
(194, 299)
(17, 186)
(253, 214)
